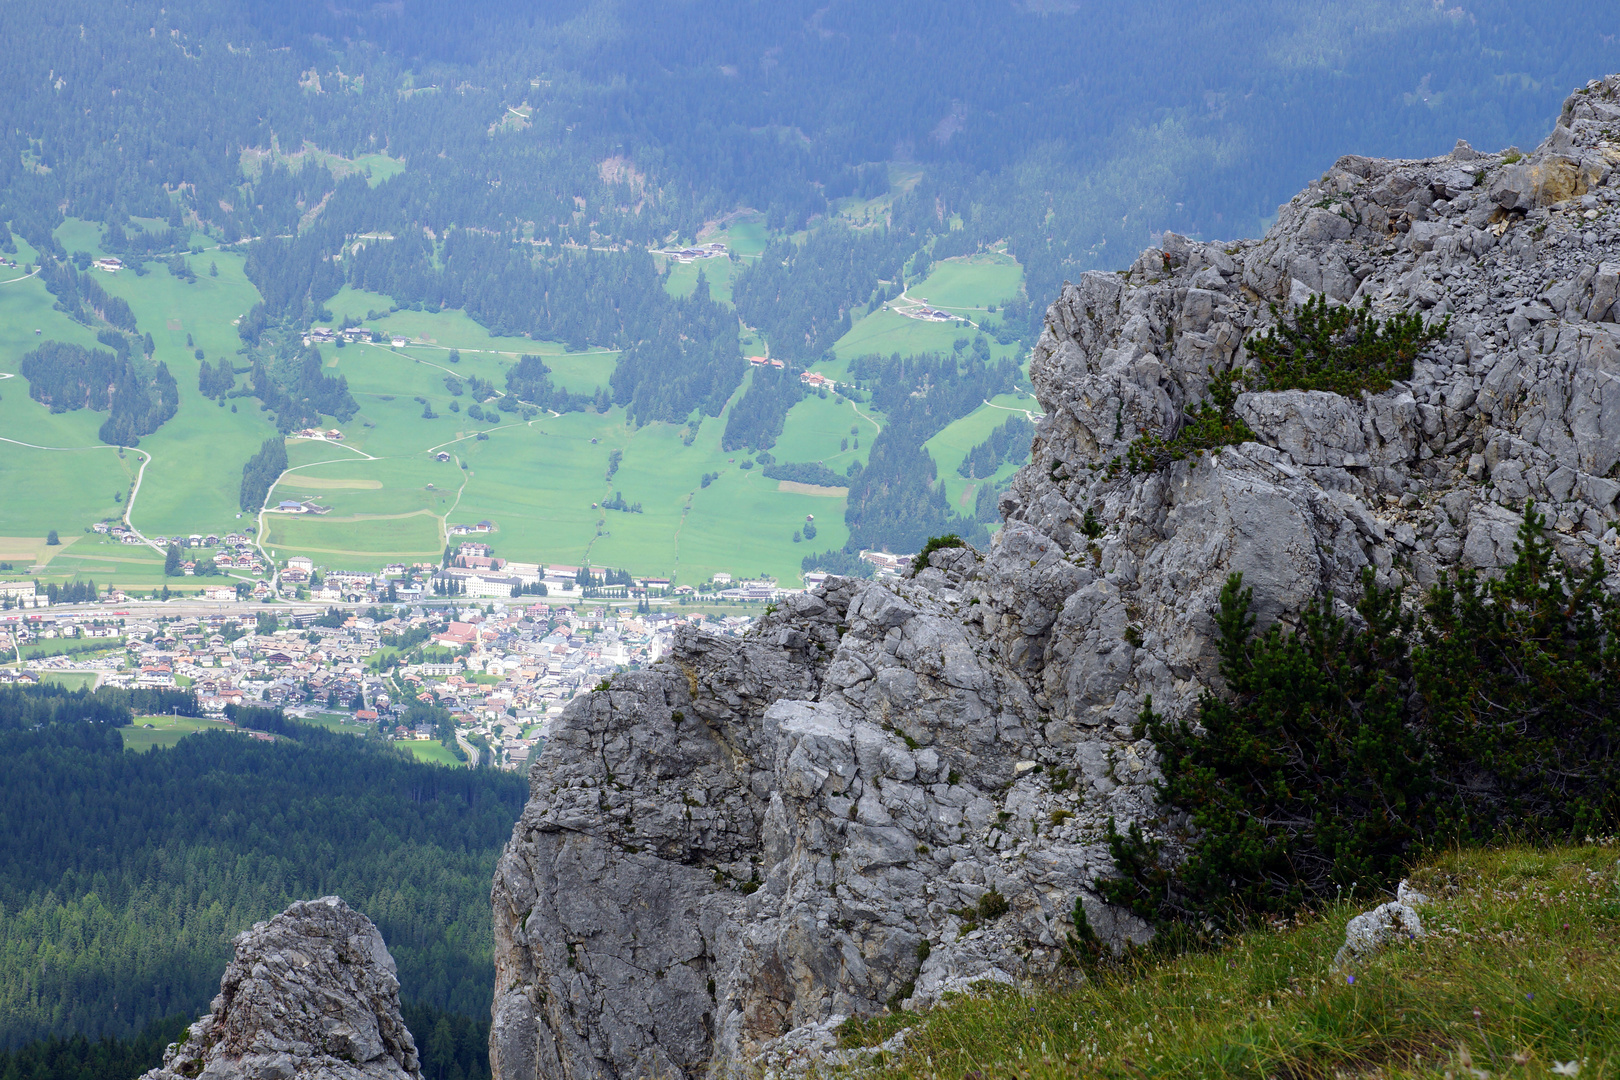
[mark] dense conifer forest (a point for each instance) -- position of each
(121, 901)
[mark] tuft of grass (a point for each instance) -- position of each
(1519, 975)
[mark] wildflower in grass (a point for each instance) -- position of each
(1350, 979)
(1566, 1068)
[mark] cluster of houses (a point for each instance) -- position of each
(321, 434)
(325, 335)
(235, 551)
(111, 264)
(693, 254)
(501, 673)
(813, 379)
(298, 506)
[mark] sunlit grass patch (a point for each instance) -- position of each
(1518, 976)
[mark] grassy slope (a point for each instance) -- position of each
(968, 285)
(1519, 971)
(63, 489)
(165, 731)
(390, 499)
(197, 457)
(951, 445)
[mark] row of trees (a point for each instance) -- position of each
(260, 473)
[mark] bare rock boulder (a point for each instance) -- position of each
(310, 993)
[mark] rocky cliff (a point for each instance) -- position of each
(309, 994)
(895, 788)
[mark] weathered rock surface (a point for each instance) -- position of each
(310, 993)
(893, 789)
(1383, 926)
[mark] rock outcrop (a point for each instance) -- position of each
(893, 789)
(310, 993)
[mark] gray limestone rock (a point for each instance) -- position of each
(1377, 929)
(891, 790)
(310, 994)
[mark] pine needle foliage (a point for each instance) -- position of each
(1338, 752)
(1341, 349)
(1209, 425)
(1344, 350)
(1520, 682)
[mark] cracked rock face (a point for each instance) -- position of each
(310, 993)
(895, 789)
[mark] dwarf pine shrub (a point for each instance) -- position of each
(1341, 349)
(1344, 350)
(1338, 752)
(1209, 426)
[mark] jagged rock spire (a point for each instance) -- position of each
(310, 993)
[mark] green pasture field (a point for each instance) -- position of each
(745, 236)
(195, 475)
(74, 483)
(884, 332)
(107, 562)
(951, 445)
(432, 752)
(338, 541)
(964, 286)
(969, 284)
(538, 480)
(165, 731)
(815, 428)
(71, 680)
(682, 277)
(376, 167)
(434, 334)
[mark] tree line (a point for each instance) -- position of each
(260, 473)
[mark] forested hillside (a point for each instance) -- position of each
(520, 165)
(123, 877)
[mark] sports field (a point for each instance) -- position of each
(71, 680)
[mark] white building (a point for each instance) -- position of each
(23, 594)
